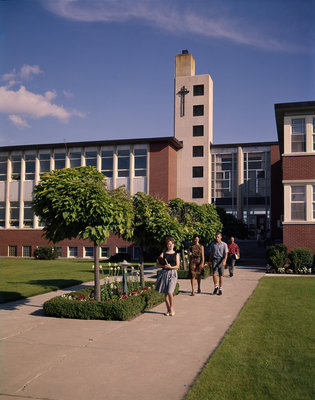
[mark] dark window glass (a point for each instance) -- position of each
(198, 130)
(16, 167)
(60, 160)
(298, 135)
(12, 251)
(140, 156)
(224, 201)
(14, 213)
(197, 172)
(198, 110)
(29, 167)
(197, 192)
(3, 168)
(197, 151)
(75, 159)
(123, 163)
(199, 90)
(2, 213)
(91, 158)
(44, 163)
(107, 163)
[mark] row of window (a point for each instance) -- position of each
(72, 251)
(75, 159)
(298, 135)
(14, 214)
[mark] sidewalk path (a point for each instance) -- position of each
(150, 357)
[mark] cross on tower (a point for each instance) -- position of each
(182, 93)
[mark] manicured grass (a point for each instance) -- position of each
(21, 278)
(269, 351)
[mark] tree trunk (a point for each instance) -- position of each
(97, 286)
(141, 268)
(183, 258)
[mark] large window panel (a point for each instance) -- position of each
(107, 163)
(14, 213)
(123, 163)
(16, 167)
(3, 168)
(298, 203)
(75, 159)
(60, 160)
(2, 213)
(298, 138)
(29, 167)
(91, 158)
(44, 163)
(140, 157)
(28, 214)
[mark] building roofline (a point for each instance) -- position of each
(247, 144)
(282, 109)
(170, 139)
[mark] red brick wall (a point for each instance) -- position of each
(299, 167)
(276, 191)
(163, 167)
(295, 235)
(19, 238)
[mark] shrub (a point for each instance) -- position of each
(119, 257)
(276, 255)
(45, 253)
(81, 305)
(300, 259)
(184, 274)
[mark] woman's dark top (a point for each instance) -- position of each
(170, 258)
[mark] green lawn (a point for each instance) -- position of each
(269, 351)
(20, 278)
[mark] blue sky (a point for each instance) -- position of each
(75, 70)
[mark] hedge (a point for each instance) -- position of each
(184, 274)
(115, 310)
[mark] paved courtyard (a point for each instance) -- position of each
(150, 357)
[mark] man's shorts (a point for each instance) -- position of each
(217, 267)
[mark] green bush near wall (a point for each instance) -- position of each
(184, 274)
(84, 307)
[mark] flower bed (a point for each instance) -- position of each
(114, 305)
(288, 270)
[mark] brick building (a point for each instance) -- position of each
(296, 133)
(243, 178)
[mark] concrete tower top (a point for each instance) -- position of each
(184, 64)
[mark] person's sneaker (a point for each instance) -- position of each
(231, 274)
(216, 290)
(220, 292)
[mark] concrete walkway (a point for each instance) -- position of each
(150, 357)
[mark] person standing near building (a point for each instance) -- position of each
(218, 256)
(234, 254)
(166, 281)
(196, 265)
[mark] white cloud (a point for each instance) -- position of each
(18, 121)
(67, 93)
(27, 71)
(164, 15)
(21, 104)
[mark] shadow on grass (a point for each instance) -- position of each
(6, 297)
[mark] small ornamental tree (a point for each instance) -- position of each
(153, 224)
(74, 202)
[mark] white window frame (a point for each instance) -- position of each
(84, 252)
(108, 251)
(27, 248)
(69, 250)
(309, 201)
(122, 247)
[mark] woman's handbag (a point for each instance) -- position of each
(237, 256)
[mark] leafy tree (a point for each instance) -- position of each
(74, 202)
(153, 224)
(202, 220)
(231, 225)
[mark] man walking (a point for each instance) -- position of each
(234, 254)
(218, 255)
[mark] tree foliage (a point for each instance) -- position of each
(231, 225)
(74, 202)
(202, 220)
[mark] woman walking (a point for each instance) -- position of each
(166, 281)
(196, 265)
